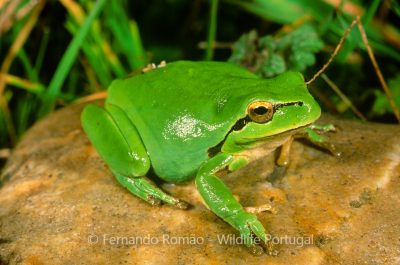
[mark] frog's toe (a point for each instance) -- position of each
(269, 248)
(181, 204)
(153, 200)
(253, 238)
(334, 151)
(251, 231)
(256, 250)
(261, 208)
(331, 148)
(263, 244)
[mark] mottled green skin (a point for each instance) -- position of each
(170, 117)
(185, 108)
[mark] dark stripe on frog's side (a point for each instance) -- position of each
(237, 127)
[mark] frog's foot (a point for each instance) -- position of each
(331, 148)
(153, 200)
(144, 189)
(262, 208)
(252, 232)
(181, 204)
(329, 127)
(312, 136)
(127, 157)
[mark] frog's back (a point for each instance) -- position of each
(180, 112)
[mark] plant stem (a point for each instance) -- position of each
(212, 30)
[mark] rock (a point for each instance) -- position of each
(59, 204)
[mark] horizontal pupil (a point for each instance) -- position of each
(260, 110)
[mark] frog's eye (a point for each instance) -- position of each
(260, 111)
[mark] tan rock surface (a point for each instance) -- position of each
(59, 204)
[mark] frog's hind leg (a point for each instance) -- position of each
(143, 188)
(119, 144)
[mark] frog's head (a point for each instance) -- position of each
(273, 107)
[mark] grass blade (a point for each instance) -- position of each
(212, 30)
(67, 60)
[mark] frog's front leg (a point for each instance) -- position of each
(221, 201)
(120, 146)
(282, 161)
(312, 136)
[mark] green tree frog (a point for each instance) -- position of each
(192, 119)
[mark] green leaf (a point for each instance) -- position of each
(274, 65)
(269, 56)
(381, 104)
(244, 49)
(290, 11)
